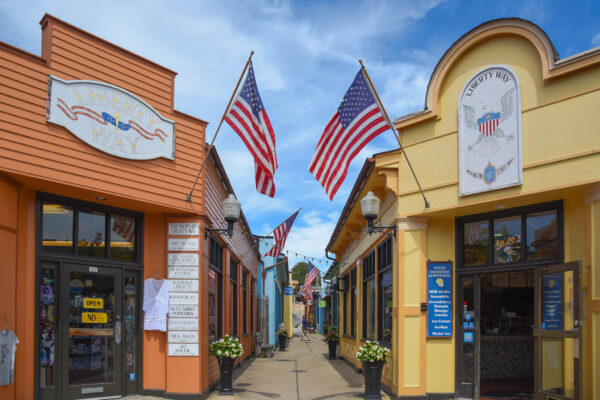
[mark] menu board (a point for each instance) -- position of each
(439, 299)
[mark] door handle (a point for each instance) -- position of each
(118, 332)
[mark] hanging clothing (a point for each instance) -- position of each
(8, 348)
(156, 304)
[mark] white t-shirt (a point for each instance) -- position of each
(8, 348)
(156, 304)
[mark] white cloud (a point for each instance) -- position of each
(596, 40)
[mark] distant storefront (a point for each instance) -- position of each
(495, 289)
(95, 170)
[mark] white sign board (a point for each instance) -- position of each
(489, 132)
(110, 119)
(184, 259)
(177, 310)
(183, 349)
(183, 337)
(183, 298)
(184, 229)
(183, 324)
(183, 285)
(183, 244)
(183, 272)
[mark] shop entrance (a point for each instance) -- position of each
(519, 334)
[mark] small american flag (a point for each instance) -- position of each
(308, 294)
(280, 233)
(311, 273)
(212, 275)
(357, 120)
(124, 227)
(248, 117)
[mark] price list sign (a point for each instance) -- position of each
(439, 299)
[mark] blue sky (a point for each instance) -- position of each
(306, 55)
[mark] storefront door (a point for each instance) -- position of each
(91, 305)
(557, 332)
(467, 361)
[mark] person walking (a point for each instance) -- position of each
(305, 329)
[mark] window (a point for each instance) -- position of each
(368, 317)
(215, 268)
(245, 302)
(100, 231)
(353, 302)
(233, 308)
(252, 291)
(515, 236)
(346, 295)
(385, 296)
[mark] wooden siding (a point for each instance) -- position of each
(31, 147)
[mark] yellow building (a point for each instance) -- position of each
(495, 288)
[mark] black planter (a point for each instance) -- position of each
(332, 349)
(372, 372)
(282, 342)
(226, 366)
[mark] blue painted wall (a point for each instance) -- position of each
(272, 290)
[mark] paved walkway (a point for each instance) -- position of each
(304, 372)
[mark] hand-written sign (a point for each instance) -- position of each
(178, 310)
(183, 244)
(183, 349)
(183, 337)
(183, 272)
(439, 299)
(184, 259)
(89, 302)
(183, 324)
(110, 119)
(183, 298)
(183, 285)
(184, 229)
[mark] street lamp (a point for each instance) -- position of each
(231, 211)
(370, 209)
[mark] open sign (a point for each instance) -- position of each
(89, 302)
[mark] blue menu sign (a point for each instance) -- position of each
(552, 301)
(439, 299)
(288, 290)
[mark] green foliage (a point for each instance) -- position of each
(299, 272)
(372, 351)
(282, 332)
(227, 346)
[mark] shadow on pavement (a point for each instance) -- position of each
(263, 394)
(346, 395)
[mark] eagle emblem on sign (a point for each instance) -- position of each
(489, 126)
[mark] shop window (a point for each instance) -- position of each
(385, 299)
(215, 259)
(57, 228)
(252, 291)
(368, 317)
(515, 236)
(129, 323)
(47, 315)
(245, 303)
(122, 238)
(353, 302)
(346, 296)
(233, 266)
(91, 230)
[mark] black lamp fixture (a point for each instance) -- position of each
(231, 211)
(370, 209)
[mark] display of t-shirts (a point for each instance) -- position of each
(8, 348)
(156, 304)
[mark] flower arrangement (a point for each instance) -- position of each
(227, 347)
(282, 332)
(372, 351)
(326, 327)
(332, 335)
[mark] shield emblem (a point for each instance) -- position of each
(488, 123)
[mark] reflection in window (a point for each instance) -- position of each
(47, 326)
(386, 305)
(129, 328)
(542, 240)
(57, 225)
(91, 241)
(477, 241)
(122, 238)
(369, 296)
(507, 240)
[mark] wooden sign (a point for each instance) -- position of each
(183, 349)
(184, 259)
(184, 229)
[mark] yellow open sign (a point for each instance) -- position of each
(94, 317)
(89, 302)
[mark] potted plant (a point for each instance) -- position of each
(283, 339)
(326, 327)
(373, 356)
(332, 338)
(226, 349)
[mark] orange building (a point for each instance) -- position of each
(95, 170)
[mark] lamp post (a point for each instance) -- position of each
(231, 211)
(370, 209)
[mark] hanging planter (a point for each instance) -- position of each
(226, 349)
(373, 356)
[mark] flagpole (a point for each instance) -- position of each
(393, 130)
(210, 146)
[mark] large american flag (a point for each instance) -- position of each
(248, 117)
(280, 234)
(311, 273)
(357, 121)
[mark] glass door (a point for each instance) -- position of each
(91, 344)
(467, 336)
(557, 332)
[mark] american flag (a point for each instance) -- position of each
(124, 227)
(308, 294)
(357, 120)
(248, 117)
(280, 233)
(311, 273)
(212, 275)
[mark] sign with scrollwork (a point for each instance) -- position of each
(110, 119)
